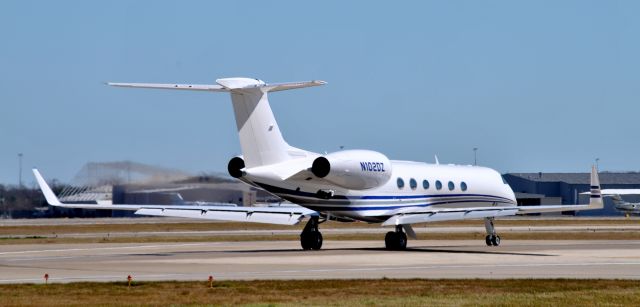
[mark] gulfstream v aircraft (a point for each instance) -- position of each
(346, 186)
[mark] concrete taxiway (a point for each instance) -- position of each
(338, 259)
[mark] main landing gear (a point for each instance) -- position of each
(492, 239)
(311, 238)
(396, 240)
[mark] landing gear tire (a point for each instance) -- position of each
(395, 240)
(495, 240)
(311, 240)
(492, 240)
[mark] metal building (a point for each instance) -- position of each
(565, 188)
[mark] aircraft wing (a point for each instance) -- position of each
(422, 215)
(221, 212)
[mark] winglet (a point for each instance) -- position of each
(595, 200)
(46, 190)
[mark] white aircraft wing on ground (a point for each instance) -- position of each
(222, 212)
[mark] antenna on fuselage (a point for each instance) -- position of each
(436, 157)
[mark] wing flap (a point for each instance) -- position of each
(448, 215)
(553, 208)
(281, 218)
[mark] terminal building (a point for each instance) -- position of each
(564, 188)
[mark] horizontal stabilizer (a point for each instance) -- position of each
(166, 86)
(225, 85)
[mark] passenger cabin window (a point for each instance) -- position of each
(451, 186)
(400, 183)
(413, 184)
(425, 184)
(438, 185)
(463, 186)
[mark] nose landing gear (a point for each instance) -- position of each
(492, 239)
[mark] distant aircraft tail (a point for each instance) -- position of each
(595, 199)
(176, 199)
(260, 137)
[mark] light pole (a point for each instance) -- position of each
(475, 156)
(20, 170)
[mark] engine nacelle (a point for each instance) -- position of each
(235, 166)
(353, 169)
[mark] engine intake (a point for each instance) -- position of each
(321, 167)
(235, 166)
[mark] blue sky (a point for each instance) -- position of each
(536, 86)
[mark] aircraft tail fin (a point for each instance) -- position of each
(260, 138)
(176, 199)
(595, 198)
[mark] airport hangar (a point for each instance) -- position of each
(533, 189)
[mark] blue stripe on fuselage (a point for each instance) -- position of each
(355, 209)
(279, 191)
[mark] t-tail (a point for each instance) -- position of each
(260, 137)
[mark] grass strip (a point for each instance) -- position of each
(380, 292)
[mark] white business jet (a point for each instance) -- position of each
(347, 185)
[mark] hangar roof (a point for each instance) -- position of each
(581, 178)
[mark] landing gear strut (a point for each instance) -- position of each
(396, 240)
(492, 239)
(311, 238)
